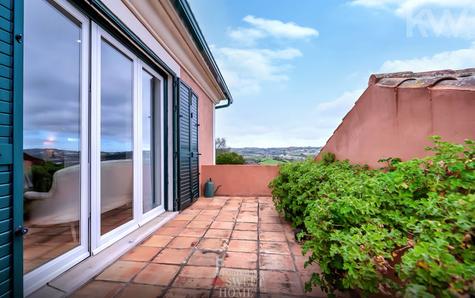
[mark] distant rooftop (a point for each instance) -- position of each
(445, 79)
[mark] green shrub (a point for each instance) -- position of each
(229, 158)
(328, 157)
(406, 230)
(300, 183)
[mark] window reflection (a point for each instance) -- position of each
(51, 133)
(116, 138)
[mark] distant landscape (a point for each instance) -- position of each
(252, 155)
(272, 156)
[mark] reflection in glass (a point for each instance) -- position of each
(116, 138)
(151, 199)
(51, 140)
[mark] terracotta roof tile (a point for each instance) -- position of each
(441, 79)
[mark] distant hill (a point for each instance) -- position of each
(68, 157)
(276, 155)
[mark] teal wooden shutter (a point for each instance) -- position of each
(11, 148)
(187, 165)
(194, 152)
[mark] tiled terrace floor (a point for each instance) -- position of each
(44, 243)
(218, 247)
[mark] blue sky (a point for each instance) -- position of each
(295, 68)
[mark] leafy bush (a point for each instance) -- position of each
(407, 229)
(300, 183)
(328, 157)
(229, 158)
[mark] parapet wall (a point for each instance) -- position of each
(398, 113)
(240, 180)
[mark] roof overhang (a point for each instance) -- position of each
(189, 20)
(172, 24)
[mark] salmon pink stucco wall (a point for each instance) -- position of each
(240, 180)
(397, 122)
(206, 121)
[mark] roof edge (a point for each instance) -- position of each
(186, 14)
(375, 78)
(448, 78)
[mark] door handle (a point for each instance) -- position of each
(21, 231)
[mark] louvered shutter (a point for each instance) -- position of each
(187, 151)
(194, 154)
(11, 274)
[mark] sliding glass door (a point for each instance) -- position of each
(150, 109)
(97, 155)
(55, 138)
(126, 140)
(116, 134)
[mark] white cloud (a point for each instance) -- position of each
(458, 59)
(249, 65)
(246, 69)
(263, 28)
(280, 29)
(246, 36)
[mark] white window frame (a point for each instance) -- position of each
(91, 241)
(149, 215)
(48, 271)
(98, 241)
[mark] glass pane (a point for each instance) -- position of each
(151, 198)
(51, 140)
(116, 138)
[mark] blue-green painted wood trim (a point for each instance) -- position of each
(5, 48)
(5, 13)
(6, 3)
(4, 178)
(5, 238)
(5, 201)
(6, 225)
(4, 287)
(5, 95)
(17, 148)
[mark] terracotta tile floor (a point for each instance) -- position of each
(44, 243)
(221, 247)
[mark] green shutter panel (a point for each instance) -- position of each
(184, 181)
(194, 152)
(11, 164)
(187, 152)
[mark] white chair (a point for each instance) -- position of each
(61, 204)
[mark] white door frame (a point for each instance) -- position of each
(158, 111)
(91, 240)
(98, 241)
(41, 275)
